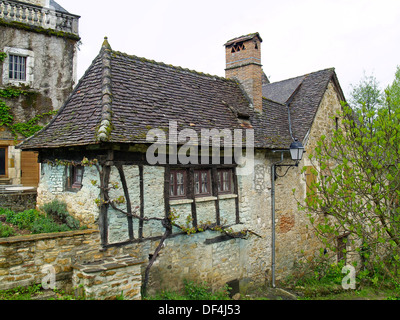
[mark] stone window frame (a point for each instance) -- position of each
(30, 63)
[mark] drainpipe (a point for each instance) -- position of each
(273, 176)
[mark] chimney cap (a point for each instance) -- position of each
(247, 37)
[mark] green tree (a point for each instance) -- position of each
(366, 95)
(393, 92)
(357, 187)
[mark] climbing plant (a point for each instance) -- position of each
(3, 56)
(26, 129)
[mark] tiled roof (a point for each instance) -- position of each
(303, 95)
(121, 97)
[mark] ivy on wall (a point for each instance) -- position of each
(3, 56)
(26, 129)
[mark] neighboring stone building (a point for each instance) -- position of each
(97, 155)
(38, 48)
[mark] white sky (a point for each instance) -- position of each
(300, 36)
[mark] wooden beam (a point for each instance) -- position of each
(236, 191)
(142, 204)
(103, 218)
(128, 201)
(167, 183)
(214, 183)
(191, 195)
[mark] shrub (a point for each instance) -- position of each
(6, 231)
(22, 220)
(58, 211)
(47, 225)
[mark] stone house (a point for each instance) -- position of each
(37, 73)
(111, 154)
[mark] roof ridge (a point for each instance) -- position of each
(163, 64)
(301, 76)
(104, 130)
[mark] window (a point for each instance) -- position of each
(178, 184)
(17, 68)
(74, 177)
(225, 181)
(3, 162)
(202, 183)
(341, 248)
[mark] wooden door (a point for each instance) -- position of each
(29, 169)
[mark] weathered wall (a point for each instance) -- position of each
(18, 202)
(54, 70)
(295, 235)
(51, 76)
(22, 258)
(196, 256)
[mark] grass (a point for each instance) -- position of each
(193, 291)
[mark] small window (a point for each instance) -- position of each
(74, 178)
(178, 184)
(341, 248)
(238, 47)
(17, 68)
(202, 183)
(225, 181)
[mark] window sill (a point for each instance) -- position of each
(205, 199)
(202, 199)
(227, 196)
(180, 201)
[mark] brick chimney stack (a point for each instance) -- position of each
(243, 63)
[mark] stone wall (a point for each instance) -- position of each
(295, 234)
(22, 258)
(204, 256)
(18, 202)
(108, 279)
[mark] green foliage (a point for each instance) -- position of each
(57, 210)
(23, 220)
(3, 56)
(26, 129)
(393, 92)
(194, 291)
(20, 293)
(57, 220)
(6, 231)
(47, 225)
(357, 190)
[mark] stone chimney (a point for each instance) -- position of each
(243, 63)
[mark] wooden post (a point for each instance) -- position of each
(141, 223)
(236, 190)
(191, 195)
(214, 179)
(128, 201)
